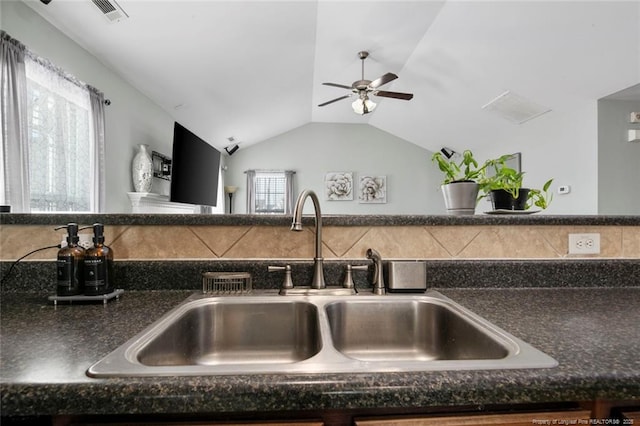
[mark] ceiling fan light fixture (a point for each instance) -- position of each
(363, 106)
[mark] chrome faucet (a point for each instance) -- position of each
(378, 277)
(318, 272)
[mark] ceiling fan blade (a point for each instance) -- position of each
(382, 80)
(395, 95)
(337, 85)
(334, 100)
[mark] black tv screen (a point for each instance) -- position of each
(195, 168)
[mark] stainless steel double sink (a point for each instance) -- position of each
(254, 334)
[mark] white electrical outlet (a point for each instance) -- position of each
(584, 243)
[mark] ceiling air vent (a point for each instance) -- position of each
(515, 108)
(111, 10)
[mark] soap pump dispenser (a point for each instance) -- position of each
(69, 264)
(98, 265)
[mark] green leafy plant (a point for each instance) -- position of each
(503, 177)
(465, 170)
(510, 180)
(540, 198)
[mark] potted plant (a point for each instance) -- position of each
(459, 187)
(504, 187)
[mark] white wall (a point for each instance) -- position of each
(618, 159)
(131, 119)
(455, 69)
(561, 144)
(314, 149)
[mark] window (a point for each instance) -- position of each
(52, 135)
(270, 192)
(60, 142)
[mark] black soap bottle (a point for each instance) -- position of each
(98, 265)
(70, 263)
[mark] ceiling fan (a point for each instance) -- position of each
(362, 88)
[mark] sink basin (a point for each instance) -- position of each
(409, 330)
(219, 335)
(267, 333)
(216, 333)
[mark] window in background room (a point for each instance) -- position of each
(270, 192)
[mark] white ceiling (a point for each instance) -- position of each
(254, 70)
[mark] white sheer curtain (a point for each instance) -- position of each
(14, 167)
(62, 121)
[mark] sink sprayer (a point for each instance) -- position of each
(378, 277)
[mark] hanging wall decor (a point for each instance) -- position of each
(338, 186)
(373, 189)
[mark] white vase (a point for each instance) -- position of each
(142, 169)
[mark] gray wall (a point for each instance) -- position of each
(312, 150)
(132, 118)
(618, 159)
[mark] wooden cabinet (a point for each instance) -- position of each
(599, 412)
(520, 419)
(143, 422)
(632, 417)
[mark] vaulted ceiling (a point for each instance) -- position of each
(255, 69)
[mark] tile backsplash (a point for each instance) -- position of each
(158, 242)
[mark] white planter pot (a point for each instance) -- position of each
(460, 198)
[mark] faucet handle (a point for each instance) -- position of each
(288, 282)
(348, 278)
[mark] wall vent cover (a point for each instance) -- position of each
(515, 108)
(111, 10)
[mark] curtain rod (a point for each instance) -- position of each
(45, 62)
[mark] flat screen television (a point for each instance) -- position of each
(195, 169)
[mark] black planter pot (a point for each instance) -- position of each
(503, 200)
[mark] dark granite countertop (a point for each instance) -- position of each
(328, 220)
(592, 332)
